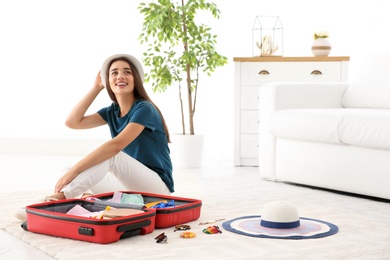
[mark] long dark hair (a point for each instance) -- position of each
(139, 90)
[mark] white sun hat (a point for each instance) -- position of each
(129, 58)
(280, 219)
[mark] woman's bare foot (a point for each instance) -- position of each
(58, 196)
(61, 196)
(86, 195)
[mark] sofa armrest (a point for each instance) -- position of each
(276, 96)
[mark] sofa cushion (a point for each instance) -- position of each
(352, 126)
(370, 86)
(316, 124)
(366, 128)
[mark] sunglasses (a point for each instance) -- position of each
(162, 238)
(182, 227)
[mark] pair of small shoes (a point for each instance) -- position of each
(21, 213)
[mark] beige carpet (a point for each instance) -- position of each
(364, 225)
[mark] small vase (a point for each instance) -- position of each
(321, 47)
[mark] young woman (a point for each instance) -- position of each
(138, 154)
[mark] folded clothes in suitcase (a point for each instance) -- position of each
(52, 218)
(181, 211)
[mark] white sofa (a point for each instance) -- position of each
(329, 135)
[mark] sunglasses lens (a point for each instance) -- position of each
(163, 239)
(160, 236)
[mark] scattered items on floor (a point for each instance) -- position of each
(210, 221)
(161, 239)
(280, 219)
(212, 230)
(182, 227)
(187, 234)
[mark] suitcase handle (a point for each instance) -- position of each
(138, 225)
(131, 230)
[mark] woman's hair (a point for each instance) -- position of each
(139, 90)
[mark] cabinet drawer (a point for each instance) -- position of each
(249, 145)
(249, 98)
(257, 73)
(249, 122)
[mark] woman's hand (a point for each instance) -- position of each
(98, 82)
(67, 178)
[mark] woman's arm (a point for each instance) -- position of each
(77, 119)
(101, 154)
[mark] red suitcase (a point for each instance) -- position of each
(50, 218)
(185, 209)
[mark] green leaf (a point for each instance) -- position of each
(177, 43)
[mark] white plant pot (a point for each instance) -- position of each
(321, 47)
(186, 150)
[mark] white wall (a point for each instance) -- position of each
(51, 51)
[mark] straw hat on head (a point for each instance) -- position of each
(132, 59)
(280, 219)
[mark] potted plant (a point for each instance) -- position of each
(179, 50)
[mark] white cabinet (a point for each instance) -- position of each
(251, 73)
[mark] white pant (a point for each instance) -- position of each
(131, 174)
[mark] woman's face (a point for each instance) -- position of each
(121, 78)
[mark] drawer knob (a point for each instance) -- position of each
(316, 72)
(263, 72)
